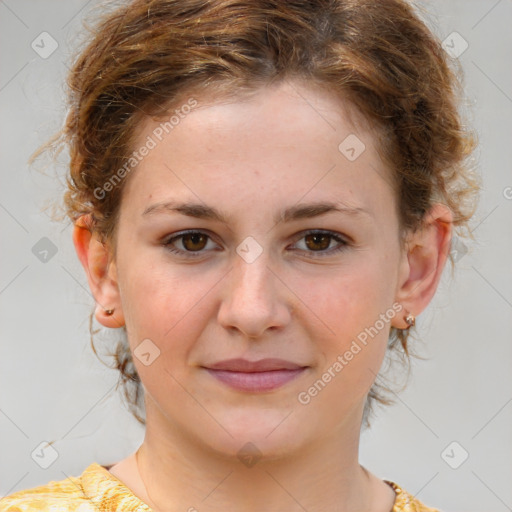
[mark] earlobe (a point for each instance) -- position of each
(96, 258)
(427, 253)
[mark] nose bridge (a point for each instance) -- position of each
(251, 278)
(252, 303)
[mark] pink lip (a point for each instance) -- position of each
(263, 365)
(255, 376)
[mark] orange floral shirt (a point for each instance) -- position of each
(97, 490)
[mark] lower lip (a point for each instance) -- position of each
(256, 381)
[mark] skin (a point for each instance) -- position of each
(251, 158)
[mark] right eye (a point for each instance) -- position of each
(192, 243)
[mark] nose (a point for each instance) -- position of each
(255, 299)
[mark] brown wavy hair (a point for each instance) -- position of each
(145, 56)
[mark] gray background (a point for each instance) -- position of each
(54, 388)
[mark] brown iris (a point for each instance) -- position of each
(318, 238)
(197, 241)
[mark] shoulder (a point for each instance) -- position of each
(96, 489)
(406, 502)
(65, 495)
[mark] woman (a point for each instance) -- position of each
(264, 196)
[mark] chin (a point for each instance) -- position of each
(256, 437)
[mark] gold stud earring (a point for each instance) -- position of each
(410, 320)
(109, 312)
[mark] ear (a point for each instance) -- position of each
(97, 260)
(422, 265)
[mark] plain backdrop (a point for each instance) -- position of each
(448, 437)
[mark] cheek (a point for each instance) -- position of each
(165, 304)
(351, 297)
(162, 305)
(354, 307)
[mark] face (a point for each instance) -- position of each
(253, 231)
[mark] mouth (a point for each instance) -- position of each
(255, 376)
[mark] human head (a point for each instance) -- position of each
(148, 56)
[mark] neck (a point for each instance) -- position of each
(179, 473)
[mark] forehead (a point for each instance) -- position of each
(278, 110)
(285, 134)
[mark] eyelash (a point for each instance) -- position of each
(316, 254)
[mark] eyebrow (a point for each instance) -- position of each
(301, 211)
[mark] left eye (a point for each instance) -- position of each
(316, 241)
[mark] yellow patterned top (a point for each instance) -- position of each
(97, 490)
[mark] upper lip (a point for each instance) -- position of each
(263, 365)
